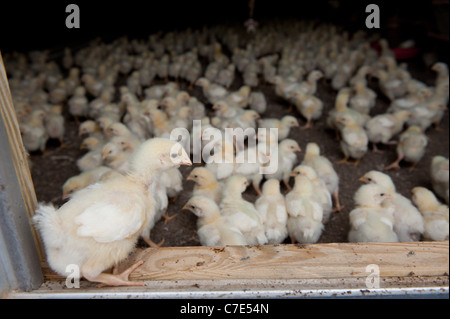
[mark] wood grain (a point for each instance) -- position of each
(292, 261)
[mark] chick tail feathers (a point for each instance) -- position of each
(49, 223)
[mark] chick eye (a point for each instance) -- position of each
(173, 155)
(195, 176)
(369, 179)
(382, 194)
(192, 206)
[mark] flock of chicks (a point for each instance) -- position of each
(131, 168)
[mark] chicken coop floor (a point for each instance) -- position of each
(50, 172)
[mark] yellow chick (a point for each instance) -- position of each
(225, 77)
(369, 221)
(271, 207)
(322, 193)
(212, 92)
(100, 225)
(325, 170)
(93, 158)
(83, 180)
(442, 72)
(34, 133)
(257, 101)
(309, 106)
(78, 103)
(408, 222)
(428, 113)
(116, 158)
(239, 98)
(364, 98)
(243, 214)
(92, 129)
(283, 126)
(435, 214)
(310, 85)
(354, 142)
(439, 176)
(411, 147)
(205, 184)
(212, 228)
(55, 125)
(287, 158)
(382, 128)
(305, 212)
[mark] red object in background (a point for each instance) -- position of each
(400, 53)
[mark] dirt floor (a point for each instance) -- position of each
(49, 173)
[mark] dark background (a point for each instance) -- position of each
(37, 25)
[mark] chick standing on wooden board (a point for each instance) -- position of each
(100, 224)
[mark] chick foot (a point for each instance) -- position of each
(288, 187)
(307, 126)
(119, 279)
(376, 150)
(337, 205)
(152, 244)
(343, 161)
(168, 218)
(395, 165)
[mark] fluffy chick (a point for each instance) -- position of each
(242, 213)
(257, 101)
(322, 193)
(411, 147)
(325, 171)
(271, 207)
(381, 128)
(305, 212)
(369, 221)
(408, 223)
(439, 176)
(212, 228)
(309, 106)
(54, 123)
(100, 224)
(80, 181)
(34, 133)
(93, 158)
(354, 141)
(206, 184)
(435, 214)
(283, 126)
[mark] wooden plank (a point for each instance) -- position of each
(343, 265)
(17, 151)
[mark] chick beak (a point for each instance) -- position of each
(364, 180)
(215, 107)
(293, 174)
(190, 178)
(296, 124)
(64, 196)
(186, 161)
(297, 149)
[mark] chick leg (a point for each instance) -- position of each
(395, 165)
(343, 161)
(286, 183)
(117, 280)
(356, 163)
(151, 243)
(293, 240)
(257, 189)
(337, 204)
(412, 167)
(168, 218)
(375, 149)
(308, 125)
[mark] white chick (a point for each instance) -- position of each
(239, 98)
(304, 223)
(364, 99)
(115, 157)
(100, 224)
(426, 114)
(205, 184)
(271, 207)
(435, 214)
(411, 147)
(225, 77)
(80, 181)
(257, 101)
(34, 133)
(212, 92)
(93, 158)
(287, 158)
(381, 128)
(283, 126)
(408, 223)
(243, 214)
(322, 193)
(310, 85)
(91, 128)
(439, 176)
(221, 163)
(354, 141)
(309, 106)
(325, 171)
(78, 103)
(54, 123)
(369, 221)
(212, 228)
